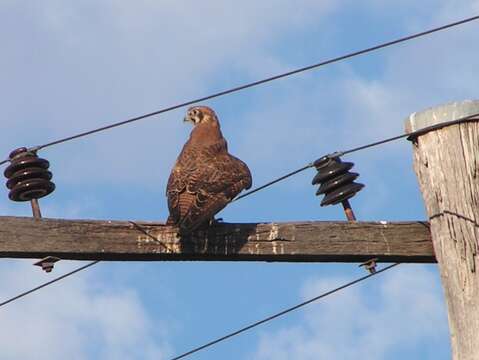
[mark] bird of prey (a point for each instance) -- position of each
(205, 177)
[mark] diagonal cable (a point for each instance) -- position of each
(259, 82)
(411, 135)
(281, 313)
(3, 303)
(141, 229)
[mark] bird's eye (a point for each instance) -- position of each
(194, 112)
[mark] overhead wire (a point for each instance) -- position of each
(3, 303)
(281, 178)
(256, 83)
(281, 313)
(362, 147)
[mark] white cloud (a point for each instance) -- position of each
(401, 310)
(78, 318)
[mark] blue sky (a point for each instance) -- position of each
(72, 66)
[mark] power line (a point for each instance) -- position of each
(413, 134)
(256, 83)
(138, 227)
(48, 283)
(77, 270)
(362, 147)
(273, 182)
(281, 313)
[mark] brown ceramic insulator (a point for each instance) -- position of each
(27, 176)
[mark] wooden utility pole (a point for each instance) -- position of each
(446, 161)
(319, 241)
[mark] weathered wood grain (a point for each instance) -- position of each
(294, 242)
(446, 162)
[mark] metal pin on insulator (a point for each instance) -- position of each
(370, 265)
(336, 182)
(28, 176)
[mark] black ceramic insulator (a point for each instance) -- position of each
(335, 180)
(28, 176)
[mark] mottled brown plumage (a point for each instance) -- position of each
(205, 177)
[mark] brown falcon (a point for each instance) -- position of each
(205, 177)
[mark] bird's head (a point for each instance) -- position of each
(200, 115)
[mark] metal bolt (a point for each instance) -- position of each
(370, 265)
(47, 263)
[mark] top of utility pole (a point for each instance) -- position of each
(441, 114)
(446, 162)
